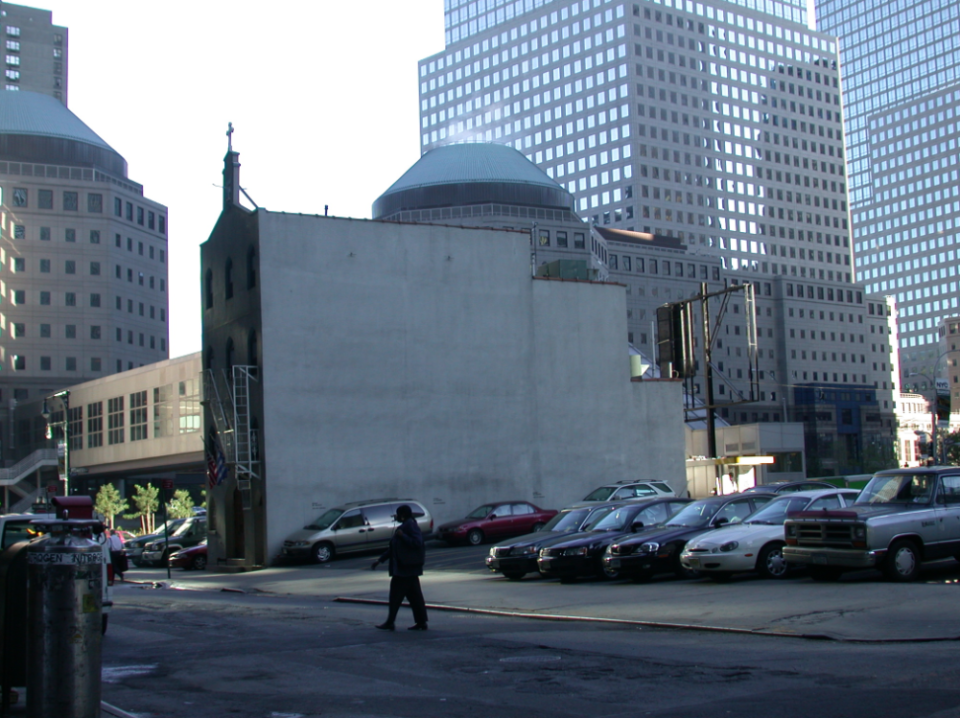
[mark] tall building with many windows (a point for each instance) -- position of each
(83, 255)
(34, 50)
(901, 91)
(716, 126)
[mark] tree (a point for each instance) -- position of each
(953, 448)
(109, 504)
(181, 505)
(147, 501)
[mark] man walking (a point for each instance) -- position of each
(406, 557)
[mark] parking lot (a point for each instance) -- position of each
(278, 642)
(861, 606)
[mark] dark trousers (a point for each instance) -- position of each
(407, 587)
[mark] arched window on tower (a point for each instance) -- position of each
(252, 347)
(208, 289)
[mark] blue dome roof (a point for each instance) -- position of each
(472, 162)
(470, 174)
(31, 113)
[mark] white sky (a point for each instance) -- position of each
(323, 96)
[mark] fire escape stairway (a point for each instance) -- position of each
(246, 463)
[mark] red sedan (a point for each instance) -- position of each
(494, 521)
(190, 559)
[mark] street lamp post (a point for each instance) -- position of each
(64, 397)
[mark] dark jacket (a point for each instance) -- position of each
(406, 552)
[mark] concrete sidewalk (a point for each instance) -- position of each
(865, 609)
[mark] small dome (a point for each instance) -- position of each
(470, 174)
(39, 128)
(30, 113)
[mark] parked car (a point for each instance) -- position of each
(516, 558)
(191, 532)
(582, 554)
(357, 526)
(900, 519)
(658, 550)
(495, 520)
(133, 548)
(786, 487)
(623, 490)
(757, 543)
(190, 559)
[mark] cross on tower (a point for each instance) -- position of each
(229, 137)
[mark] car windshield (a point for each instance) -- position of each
(597, 516)
(566, 520)
(480, 512)
(899, 489)
(616, 520)
(601, 494)
(775, 513)
(695, 514)
(183, 528)
(171, 527)
(325, 521)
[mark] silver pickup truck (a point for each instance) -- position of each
(902, 518)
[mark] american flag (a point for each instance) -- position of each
(216, 462)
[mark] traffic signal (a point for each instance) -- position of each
(675, 340)
(943, 407)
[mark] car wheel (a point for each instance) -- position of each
(199, 563)
(903, 561)
(514, 575)
(608, 574)
(770, 563)
(538, 526)
(825, 573)
(475, 537)
(323, 552)
(103, 624)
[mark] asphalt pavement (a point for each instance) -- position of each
(860, 607)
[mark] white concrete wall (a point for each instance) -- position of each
(423, 361)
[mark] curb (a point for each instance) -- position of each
(651, 624)
(108, 710)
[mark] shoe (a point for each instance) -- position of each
(387, 627)
(418, 627)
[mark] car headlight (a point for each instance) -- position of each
(649, 547)
(859, 532)
(729, 546)
(528, 549)
(791, 530)
(612, 549)
(493, 551)
(580, 551)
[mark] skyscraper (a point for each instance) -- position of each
(84, 254)
(901, 91)
(35, 51)
(712, 123)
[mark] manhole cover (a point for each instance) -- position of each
(530, 659)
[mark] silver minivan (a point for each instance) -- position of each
(358, 526)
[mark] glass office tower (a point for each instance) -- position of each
(901, 91)
(715, 124)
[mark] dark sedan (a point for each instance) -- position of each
(495, 520)
(516, 558)
(582, 555)
(658, 550)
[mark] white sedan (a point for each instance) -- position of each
(757, 543)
